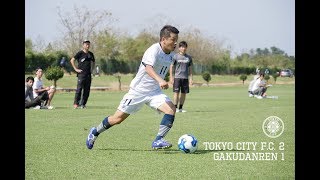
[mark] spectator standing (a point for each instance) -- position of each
(84, 69)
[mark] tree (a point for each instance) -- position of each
(82, 24)
(54, 73)
(107, 45)
(207, 77)
(28, 46)
(275, 76)
(267, 77)
(243, 77)
(275, 50)
(117, 75)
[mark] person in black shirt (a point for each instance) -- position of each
(86, 63)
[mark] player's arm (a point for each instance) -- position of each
(263, 84)
(93, 64)
(190, 75)
(171, 73)
(41, 90)
(74, 65)
(150, 71)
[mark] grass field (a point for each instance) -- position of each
(55, 139)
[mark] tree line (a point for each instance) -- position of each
(119, 52)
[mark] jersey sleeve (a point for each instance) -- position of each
(149, 57)
(174, 59)
(191, 62)
(77, 55)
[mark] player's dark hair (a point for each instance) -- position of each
(30, 78)
(38, 68)
(166, 30)
(183, 43)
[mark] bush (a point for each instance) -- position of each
(267, 77)
(243, 77)
(207, 77)
(275, 76)
(54, 73)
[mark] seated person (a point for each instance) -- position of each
(30, 101)
(38, 89)
(255, 78)
(259, 87)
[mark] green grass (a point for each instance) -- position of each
(55, 139)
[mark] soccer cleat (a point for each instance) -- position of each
(90, 139)
(83, 107)
(161, 144)
(50, 107)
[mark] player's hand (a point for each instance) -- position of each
(190, 82)
(78, 70)
(164, 84)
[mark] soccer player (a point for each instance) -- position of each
(180, 71)
(145, 88)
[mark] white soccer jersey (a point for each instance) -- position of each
(160, 61)
(38, 84)
(256, 84)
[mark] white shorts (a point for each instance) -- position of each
(133, 101)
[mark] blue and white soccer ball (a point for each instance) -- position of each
(187, 143)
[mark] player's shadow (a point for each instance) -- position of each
(202, 152)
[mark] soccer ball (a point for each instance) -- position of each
(187, 143)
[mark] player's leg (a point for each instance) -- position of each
(176, 99)
(32, 103)
(263, 93)
(106, 123)
(44, 97)
(257, 93)
(78, 92)
(181, 101)
(163, 104)
(127, 106)
(184, 91)
(51, 93)
(86, 91)
(176, 90)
